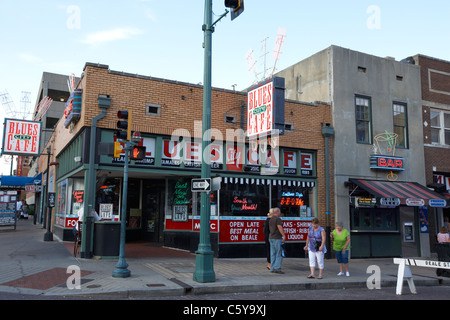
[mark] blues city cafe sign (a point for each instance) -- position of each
(380, 162)
(265, 108)
(21, 137)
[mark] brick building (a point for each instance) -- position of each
(435, 82)
(376, 105)
(161, 207)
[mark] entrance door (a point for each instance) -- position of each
(153, 210)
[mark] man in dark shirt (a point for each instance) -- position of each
(276, 237)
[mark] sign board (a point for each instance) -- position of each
(265, 107)
(386, 163)
(412, 202)
(250, 229)
(201, 185)
(8, 208)
(106, 210)
(440, 203)
(51, 200)
(389, 202)
(21, 137)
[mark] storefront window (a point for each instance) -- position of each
(62, 195)
(109, 193)
(379, 219)
(244, 199)
(292, 201)
(180, 199)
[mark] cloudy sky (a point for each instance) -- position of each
(164, 38)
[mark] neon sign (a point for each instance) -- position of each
(386, 163)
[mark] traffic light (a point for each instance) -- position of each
(125, 124)
(117, 149)
(138, 153)
(237, 7)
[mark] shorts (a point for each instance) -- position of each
(341, 257)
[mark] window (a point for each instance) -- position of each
(363, 119)
(153, 109)
(400, 124)
(440, 127)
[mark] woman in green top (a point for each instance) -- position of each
(341, 241)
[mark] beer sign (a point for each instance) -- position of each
(21, 137)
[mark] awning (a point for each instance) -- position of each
(409, 193)
(13, 182)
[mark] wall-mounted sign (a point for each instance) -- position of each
(170, 153)
(440, 203)
(21, 137)
(290, 162)
(265, 107)
(380, 162)
(363, 202)
(389, 202)
(412, 202)
(72, 113)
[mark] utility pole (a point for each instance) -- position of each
(204, 270)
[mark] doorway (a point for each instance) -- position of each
(153, 195)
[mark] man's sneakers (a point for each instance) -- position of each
(346, 274)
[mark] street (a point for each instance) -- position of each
(386, 294)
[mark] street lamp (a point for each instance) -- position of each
(48, 236)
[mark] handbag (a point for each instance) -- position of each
(317, 245)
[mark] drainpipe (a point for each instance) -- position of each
(104, 102)
(327, 132)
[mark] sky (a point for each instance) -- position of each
(164, 38)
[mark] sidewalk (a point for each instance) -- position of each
(29, 265)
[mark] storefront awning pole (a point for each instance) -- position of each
(204, 271)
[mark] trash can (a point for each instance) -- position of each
(443, 251)
(106, 239)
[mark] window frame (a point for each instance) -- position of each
(405, 126)
(368, 122)
(441, 127)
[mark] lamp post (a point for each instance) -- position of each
(204, 271)
(48, 236)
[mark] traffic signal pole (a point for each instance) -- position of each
(204, 271)
(121, 270)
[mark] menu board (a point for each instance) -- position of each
(8, 201)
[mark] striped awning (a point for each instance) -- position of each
(409, 193)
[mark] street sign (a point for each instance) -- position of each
(51, 199)
(201, 185)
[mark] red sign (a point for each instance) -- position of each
(260, 110)
(250, 229)
(386, 163)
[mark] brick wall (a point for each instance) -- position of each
(435, 81)
(181, 105)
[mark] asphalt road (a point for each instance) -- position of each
(434, 293)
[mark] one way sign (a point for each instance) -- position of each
(201, 185)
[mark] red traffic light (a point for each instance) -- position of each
(122, 114)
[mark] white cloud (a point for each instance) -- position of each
(111, 35)
(30, 58)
